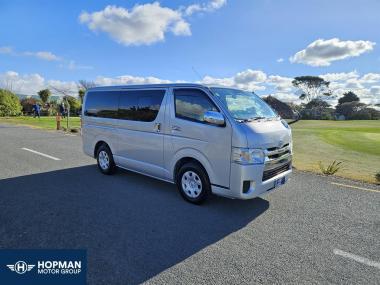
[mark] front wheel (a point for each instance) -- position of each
(105, 160)
(193, 183)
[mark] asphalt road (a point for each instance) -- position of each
(137, 229)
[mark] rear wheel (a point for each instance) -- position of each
(105, 160)
(193, 183)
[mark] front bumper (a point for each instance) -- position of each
(246, 181)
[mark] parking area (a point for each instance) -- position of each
(137, 229)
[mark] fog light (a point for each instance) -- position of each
(247, 185)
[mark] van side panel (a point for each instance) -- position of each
(210, 145)
(140, 144)
(98, 129)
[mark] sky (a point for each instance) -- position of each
(257, 45)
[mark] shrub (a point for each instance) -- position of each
(377, 177)
(9, 104)
(27, 104)
(74, 103)
(331, 169)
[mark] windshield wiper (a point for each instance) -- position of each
(251, 119)
(257, 118)
(242, 120)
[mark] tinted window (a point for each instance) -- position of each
(140, 105)
(102, 104)
(191, 104)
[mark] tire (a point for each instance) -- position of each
(105, 160)
(193, 183)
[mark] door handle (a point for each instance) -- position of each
(157, 127)
(176, 128)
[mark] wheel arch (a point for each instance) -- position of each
(185, 156)
(98, 144)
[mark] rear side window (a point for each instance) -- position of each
(191, 104)
(140, 105)
(102, 104)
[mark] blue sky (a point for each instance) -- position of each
(65, 41)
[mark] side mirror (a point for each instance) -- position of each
(296, 117)
(214, 118)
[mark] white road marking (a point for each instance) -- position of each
(357, 258)
(42, 154)
(356, 187)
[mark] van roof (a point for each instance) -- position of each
(142, 86)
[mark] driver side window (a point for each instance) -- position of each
(191, 104)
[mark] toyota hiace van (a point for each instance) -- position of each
(204, 139)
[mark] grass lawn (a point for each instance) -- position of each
(355, 143)
(43, 122)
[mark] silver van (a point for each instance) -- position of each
(205, 139)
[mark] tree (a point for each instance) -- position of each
(311, 87)
(27, 104)
(357, 111)
(348, 97)
(317, 104)
(317, 109)
(9, 104)
(81, 93)
(349, 109)
(283, 109)
(84, 85)
(74, 103)
(44, 95)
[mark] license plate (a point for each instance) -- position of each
(279, 182)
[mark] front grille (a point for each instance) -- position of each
(275, 148)
(268, 174)
(274, 153)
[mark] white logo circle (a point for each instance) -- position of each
(21, 267)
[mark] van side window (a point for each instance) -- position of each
(140, 105)
(102, 104)
(191, 104)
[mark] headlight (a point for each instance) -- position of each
(248, 155)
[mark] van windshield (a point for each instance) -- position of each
(243, 105)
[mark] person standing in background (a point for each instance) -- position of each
(37, 110)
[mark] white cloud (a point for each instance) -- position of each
(366, 86)
(143, 24)
(279, 60)
(322, 52)
(370, 78)
(228, 81)
(6, 50)
(250, 75)
(342, 76)
(375, 90)
(30, 84)
(45, 55)
(353, 84)
(248, 80)
(205, 7)
(286, 97)
(281, 83)
(128, 79)
(72, 65)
